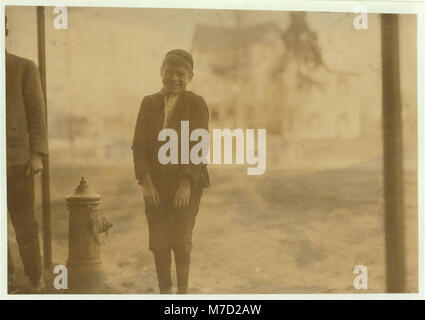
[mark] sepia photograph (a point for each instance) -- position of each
(210, 151)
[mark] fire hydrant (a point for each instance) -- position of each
(84, 262)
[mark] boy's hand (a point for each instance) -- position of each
(35, 164)
(150, 193)
(182, 196)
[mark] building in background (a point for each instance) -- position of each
(259, 76)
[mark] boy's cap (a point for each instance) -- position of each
(182, 53)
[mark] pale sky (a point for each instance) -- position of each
(109, 58)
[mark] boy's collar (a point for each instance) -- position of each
(164, 93)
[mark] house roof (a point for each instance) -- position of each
(228, 48)
(212, 38)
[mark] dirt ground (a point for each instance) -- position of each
(287, 231)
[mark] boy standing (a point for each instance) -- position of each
(171, 192)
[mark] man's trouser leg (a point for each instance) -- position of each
(10, 267)
(20, 203)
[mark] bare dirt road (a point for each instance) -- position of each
(286, 231)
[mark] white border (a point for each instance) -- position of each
(3, 201)
(421, 149)
(403, 7)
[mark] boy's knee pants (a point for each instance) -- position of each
(20, 204)
(171, 227)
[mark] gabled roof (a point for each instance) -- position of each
(212, 38)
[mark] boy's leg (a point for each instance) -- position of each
(159, 244)
(182, 258)
(183, 223)
(20, 203)
(163, 270)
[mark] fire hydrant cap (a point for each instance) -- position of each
(83, 193)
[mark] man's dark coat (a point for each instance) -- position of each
(26, 129)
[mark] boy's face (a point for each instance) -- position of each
(175, 78)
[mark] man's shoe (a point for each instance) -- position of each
(11, 285)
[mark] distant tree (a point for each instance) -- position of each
(302, 48)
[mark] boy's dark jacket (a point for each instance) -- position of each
(26, 129)
(190, 107)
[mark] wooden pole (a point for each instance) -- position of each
(45, 188)
(393, 158)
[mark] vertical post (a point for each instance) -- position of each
(393, 165)
(239, 74)
(45, 188)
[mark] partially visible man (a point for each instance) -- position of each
(26, 143)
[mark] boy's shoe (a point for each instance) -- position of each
(181, 291)
(38, 287)
(165, 291)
